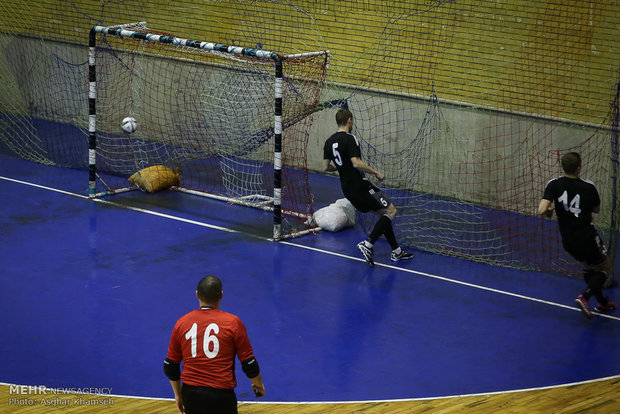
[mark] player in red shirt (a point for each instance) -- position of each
(207, 340)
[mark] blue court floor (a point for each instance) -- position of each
(91, 291)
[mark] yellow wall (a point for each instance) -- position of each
(554, 58)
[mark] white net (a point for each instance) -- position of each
(208, 114)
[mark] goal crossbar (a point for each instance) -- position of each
(125, 31)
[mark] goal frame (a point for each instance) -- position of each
(274, 204)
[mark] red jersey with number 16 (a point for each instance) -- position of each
(207, 340)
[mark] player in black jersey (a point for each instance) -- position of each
(575, 200)
(341, 153)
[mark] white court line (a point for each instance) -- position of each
(458, 282)
(347, 257)
(43, 187)
(111, 203)
(443, 397)
(402, 269)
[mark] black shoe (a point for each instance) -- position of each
(366, 252)
(403, 255)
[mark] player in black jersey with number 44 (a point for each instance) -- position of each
(342, 153)
(575, 200)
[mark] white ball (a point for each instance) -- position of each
(129, 125)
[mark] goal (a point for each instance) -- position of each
(465, 106)
(234, 121)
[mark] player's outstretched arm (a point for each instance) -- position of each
(362, 166)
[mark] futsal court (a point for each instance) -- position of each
(92, 289)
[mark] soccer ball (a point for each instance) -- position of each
(129, 125)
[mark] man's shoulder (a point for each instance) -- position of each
(197, 314)
(564, 180)
(552, 183)
(333, 137)
(338, 135)
(225, 317)
(588, 182)
(582, 184)
(188, 315)
(553, 180)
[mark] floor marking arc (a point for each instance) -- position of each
(443, 397)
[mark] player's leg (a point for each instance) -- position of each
(383, 224)
(606, 266)
(597, 267)
(364, 200)
(598, 276)
(397, 252)
(373, 200)
(389, 229)
(583, 300)
(363, 204)
(386, 211)
(366, 246)
(579, 252)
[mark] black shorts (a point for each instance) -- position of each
(586, 246)
(205, 400)
(367, 197)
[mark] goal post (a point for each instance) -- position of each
(234, 121)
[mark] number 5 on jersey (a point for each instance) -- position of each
(208, 339)
(337, 157)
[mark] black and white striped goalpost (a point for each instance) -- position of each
(92, 115)
(125, 31)
(277, 153)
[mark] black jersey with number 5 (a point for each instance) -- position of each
(339, 148)
(574, 201)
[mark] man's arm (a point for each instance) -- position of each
(172, 370)
(257, 386)
(545, 208)
(362, 166)
(328, 166)
(252, 371)
(178, 396)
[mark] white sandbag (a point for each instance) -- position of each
(336, 216)
(349, 210)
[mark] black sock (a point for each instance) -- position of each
(595, 281)
(587, 277)
(380, 227)
(391, 237)
(596, 285)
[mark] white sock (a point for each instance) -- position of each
(397, 250)
(368, 244)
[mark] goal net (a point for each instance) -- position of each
(464, 105)
(232, 121)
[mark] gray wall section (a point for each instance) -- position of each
(441, 143)
(475, 155)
